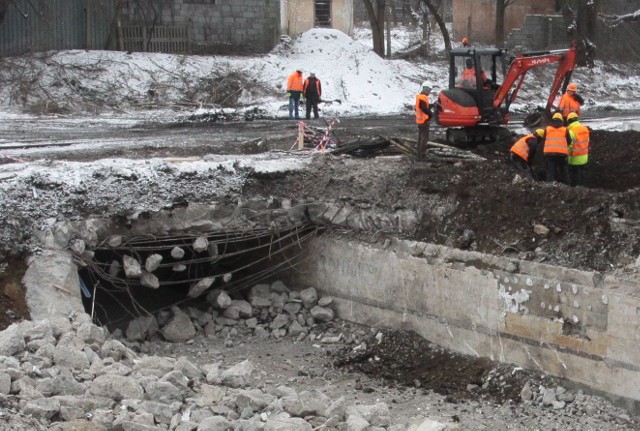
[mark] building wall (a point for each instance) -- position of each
(218, 26)
(539, 32)
(298, 16)
(476, 18)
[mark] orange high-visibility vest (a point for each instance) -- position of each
(568, 105)
(581, 143)
(469, 74)
(555, 141)
(295, 82)
(421, 117)
(521, 147)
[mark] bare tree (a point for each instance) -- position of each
(293, 15)
(433, 9)
(376, 13)
(580, 17)
(501, 7)
(614, 20)
(3, 9)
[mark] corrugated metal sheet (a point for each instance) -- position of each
(42, 25)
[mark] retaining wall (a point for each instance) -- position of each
(577, 325)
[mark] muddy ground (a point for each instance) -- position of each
(475, 205)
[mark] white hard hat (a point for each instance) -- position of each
(425, 84)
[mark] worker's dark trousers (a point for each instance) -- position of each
(577, 175)
(521, 165)
(423, 139)
(312, 104)
(556, 165)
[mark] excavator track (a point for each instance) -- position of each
(478, 135)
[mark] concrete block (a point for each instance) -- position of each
(624, 350)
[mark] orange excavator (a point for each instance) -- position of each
(481, 90)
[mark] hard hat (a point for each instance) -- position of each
(540, 132)
(425, 87)
(572, 87)
(572, 116)
(557, 116)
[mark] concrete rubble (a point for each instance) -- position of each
(66, 373)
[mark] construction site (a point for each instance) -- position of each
(167, 264)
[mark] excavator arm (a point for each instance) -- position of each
(525, 62)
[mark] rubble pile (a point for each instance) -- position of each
(271, 310)
(64, 373)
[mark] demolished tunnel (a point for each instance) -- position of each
(130, 277)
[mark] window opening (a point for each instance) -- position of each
(323, 13)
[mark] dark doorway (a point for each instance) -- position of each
(323, 13)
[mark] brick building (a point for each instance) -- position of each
(476, 19)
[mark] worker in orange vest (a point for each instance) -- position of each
(294, 91)
(570, 101)
(556, 140)
(423, 115)
(523, 151)
(578, 150)
(468, 75)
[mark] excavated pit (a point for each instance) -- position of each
(482, 312)
(457, 280)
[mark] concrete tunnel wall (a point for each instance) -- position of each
(504, 309)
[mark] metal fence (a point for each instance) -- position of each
(42, 25)
(168, 39)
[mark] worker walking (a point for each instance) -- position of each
(423, 115)
(570, 101)
(578, 150)
(294, 91)
(312, 90)
(523, 151)
(556, 140)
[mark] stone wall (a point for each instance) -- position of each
(539, 32)
(220, 26)
(577, 325)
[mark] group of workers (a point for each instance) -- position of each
(307, 90)
(564, 141)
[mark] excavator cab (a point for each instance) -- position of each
(474, 77)
(483, 83)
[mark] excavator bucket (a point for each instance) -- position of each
(535, 119)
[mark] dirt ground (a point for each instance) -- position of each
(471, 205)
